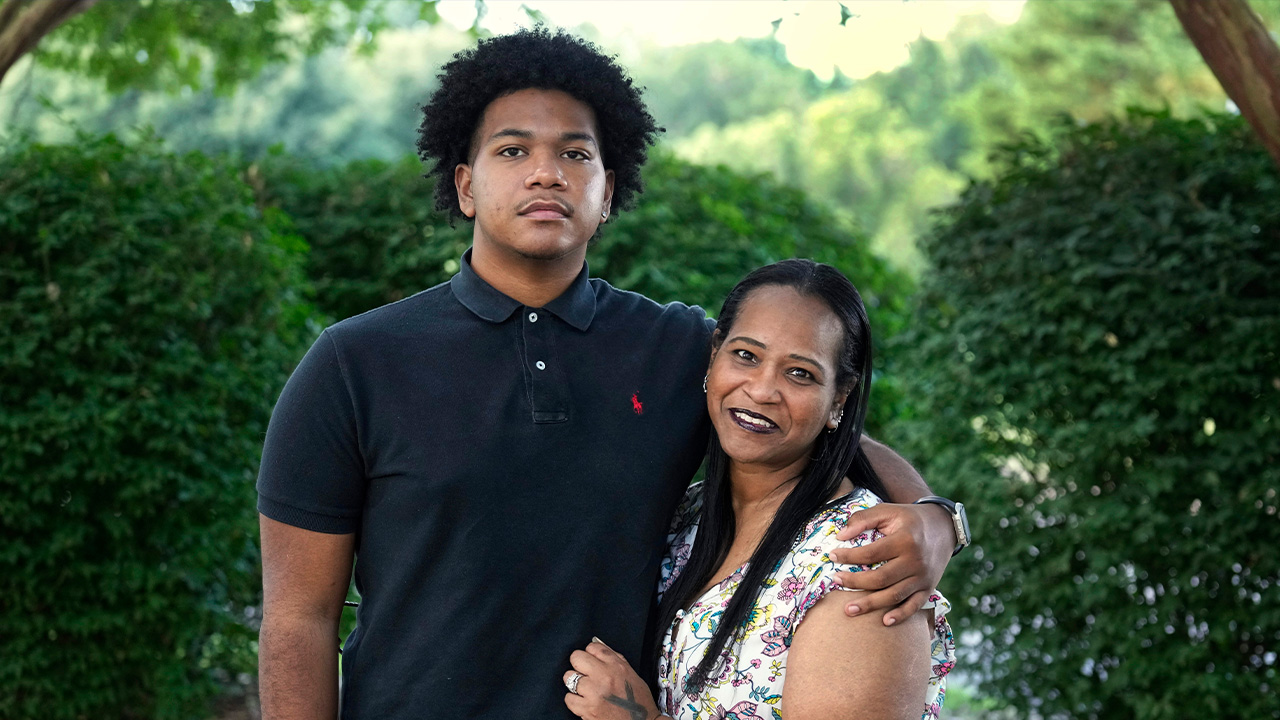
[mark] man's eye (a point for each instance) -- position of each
(509, 152)
(576, 155)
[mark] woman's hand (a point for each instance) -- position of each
(608, 689)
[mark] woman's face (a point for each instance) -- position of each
(771, 387)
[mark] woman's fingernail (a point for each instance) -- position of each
(836, 581)
(853, 610)
(889, 621)
(596, 639)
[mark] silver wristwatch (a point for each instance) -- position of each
(958, 518)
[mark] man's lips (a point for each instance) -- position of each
(752, 422)
(545, 210)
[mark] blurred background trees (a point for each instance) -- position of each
(167, 45)
(882, 150)
(1076, 331)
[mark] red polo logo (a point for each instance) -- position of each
(636, 404)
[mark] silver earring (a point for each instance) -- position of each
(604, 216)
(704, 384)
(838, 419)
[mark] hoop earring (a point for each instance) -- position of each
(704, 384)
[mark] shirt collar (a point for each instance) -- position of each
(576, 305)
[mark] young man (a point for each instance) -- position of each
(501, 454)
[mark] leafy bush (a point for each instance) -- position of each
(374, 235)
(1093, 367)
(148, 317)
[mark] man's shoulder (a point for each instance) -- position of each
(619, 305)
(416, 312)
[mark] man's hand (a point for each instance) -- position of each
(608, 688)
(916, 547)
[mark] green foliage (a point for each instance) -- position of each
(1093, 368)
(719, 83)
(169, 44)
(374, 234)
(898, 143)
(854, 150)
(149, 315)
(339, 105)
(1094, 59)
(1087, 60)
(882, 149)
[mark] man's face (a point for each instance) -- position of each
(536, 185)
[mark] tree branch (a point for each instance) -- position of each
(8, 12)
(1238, 49)
(23, 25)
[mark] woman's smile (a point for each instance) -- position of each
(771, 387)
(752, 422)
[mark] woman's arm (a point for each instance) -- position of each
(842, 667)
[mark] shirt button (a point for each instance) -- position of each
(540, 365)
(533, 317)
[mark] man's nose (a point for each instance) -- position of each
(545, 172)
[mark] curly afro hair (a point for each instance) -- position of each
(543, 60)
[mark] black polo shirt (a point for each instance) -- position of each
(509, 472)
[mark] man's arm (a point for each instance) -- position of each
(901, 480)
(305, 576)
(916, 547)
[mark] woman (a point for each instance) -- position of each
(746, 626)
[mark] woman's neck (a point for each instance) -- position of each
(755, 489)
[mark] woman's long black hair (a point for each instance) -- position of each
(834, 456)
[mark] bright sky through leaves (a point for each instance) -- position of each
(874, 38)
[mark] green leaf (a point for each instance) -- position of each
(845, 14)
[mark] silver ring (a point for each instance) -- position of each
(572, 682)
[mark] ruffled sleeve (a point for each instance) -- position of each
(808, 574)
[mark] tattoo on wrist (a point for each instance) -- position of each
(633, 708)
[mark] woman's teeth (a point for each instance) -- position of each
(752, 422)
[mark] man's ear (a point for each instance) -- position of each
(608, 191)
(462, 181)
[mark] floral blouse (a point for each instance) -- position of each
(750, 684)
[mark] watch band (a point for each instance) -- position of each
(959, 519)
